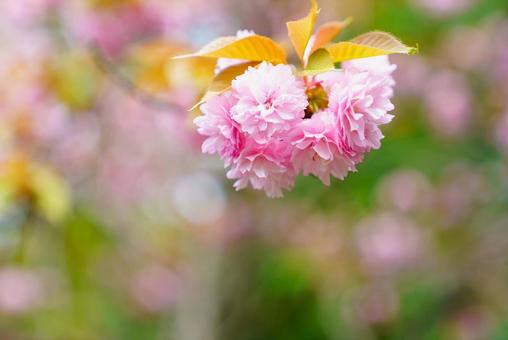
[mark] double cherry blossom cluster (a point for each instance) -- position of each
(274, 124)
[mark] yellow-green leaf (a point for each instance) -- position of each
(21, 178)
(147, 63)
(328, 31)
(320, 61)
(222, 81)
(251, 48)
(368, 45)
(52, 195)
(300, 31)
(195, 73)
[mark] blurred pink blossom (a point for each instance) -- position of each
(27, 109)
(474, 44)
(498, 66)
(155, 288)
(444, 8)
(319, 236)
(27, 12)
(77, 146)
(114, 28)
(406, 190)
(411, 74)
(122, 180)
(463, 188)
(376, 303)
(389, 242)
(471, 324)
(449, 103)
(500, 133)
(20, 290)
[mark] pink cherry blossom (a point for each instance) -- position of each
(361, 101)
(271, 100)
(379, 66)
(224, 136)
(317, 149)
(264, 166)
(259, 128)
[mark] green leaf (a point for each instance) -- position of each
(368, 45)
(320, 61)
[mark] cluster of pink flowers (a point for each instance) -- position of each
(267, 129)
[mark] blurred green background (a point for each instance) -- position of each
(114, 226)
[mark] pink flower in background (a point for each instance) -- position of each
(317, 148)
(389, 242)
(463, 188)
(471, 323)
(113, 29)
(498, 67)
(20, 290)
(78, 145)
(223, 63)
(474, 44)
(27, 12)
(444, 8)
(500, 133)
(264, 166)
(224, 136)
(449, 104)
(155, 288)
(411, 74)
(28, 111)
(270, 101)
(406, 190)
(377, 303)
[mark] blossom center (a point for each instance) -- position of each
(317, 97)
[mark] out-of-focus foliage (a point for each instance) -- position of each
(114, 226)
